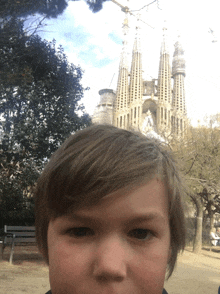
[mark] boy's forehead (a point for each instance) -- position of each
(131, 198)
(133, 187)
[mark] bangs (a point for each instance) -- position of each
(84, 175)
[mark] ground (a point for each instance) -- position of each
(29, 274)
(194, 273)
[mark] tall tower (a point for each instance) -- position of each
(164, 90)
(178, 103)
(121, 117)
(152, 107)
(103, 113)
(136, 83)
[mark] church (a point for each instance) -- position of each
(154, 106)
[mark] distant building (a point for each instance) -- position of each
(148, 106)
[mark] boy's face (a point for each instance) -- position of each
(120, 246)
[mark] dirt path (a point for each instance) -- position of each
(28, 274)
(194, 274)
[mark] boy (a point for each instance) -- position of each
(109, 213)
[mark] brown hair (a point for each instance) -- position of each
(97, 161)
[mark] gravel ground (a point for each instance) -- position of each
(196, 274)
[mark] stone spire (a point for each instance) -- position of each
(121, 119)
(122, 86)
(164, 75)
(164, 89)
(178, 74)
(178, 102)
(136, 83)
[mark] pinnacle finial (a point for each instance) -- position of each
(164, 47)
(138, 21)
(124, 53)
(164, 29)
(137, 45)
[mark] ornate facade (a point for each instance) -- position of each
(156, 106)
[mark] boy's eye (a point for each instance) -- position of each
(80, 232)
(141, 234)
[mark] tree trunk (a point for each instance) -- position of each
(211, 220)
(197, 246)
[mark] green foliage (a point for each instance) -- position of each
(95, 5)
(40, 101)
(23, 8)
(40, 94)
(47, 8)
(40, 104)
(16, 185)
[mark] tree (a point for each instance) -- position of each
(200, 155)
(17, 181)
(96, 5)
(47, 8)
(40, 94)
(40, 104)
(44, 9)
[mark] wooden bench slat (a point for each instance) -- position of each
(19, 228)
(30, 234)
(20, 240)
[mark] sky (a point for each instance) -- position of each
(94, 41)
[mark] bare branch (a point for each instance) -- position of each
(192, 164)
(145, 6)
(39, 24)
(198, 180)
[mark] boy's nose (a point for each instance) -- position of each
(110, 260)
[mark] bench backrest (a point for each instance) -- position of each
(22, 234)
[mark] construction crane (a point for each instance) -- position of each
(126, 10)
(112, 80)
(123, 8)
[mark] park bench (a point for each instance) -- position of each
(17, 235)
(211, 243)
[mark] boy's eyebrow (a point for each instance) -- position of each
(156, 216)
